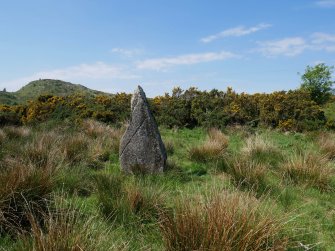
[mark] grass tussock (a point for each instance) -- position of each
(261, 150)
(13, 132)
(67, 229)
(212, 149)
(44, 151)
(75, 148)
(107, 135)
(95, 128)
(22, 188)
(169, 146)
(2, 136)
(247, 173)
(228, 221)
(130, 203)
(326, 142)
(309, 169)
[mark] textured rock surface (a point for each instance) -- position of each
(141, 148)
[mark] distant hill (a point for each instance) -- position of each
(45, 86)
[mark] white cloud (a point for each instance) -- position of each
(126, 52)
(78, 73)
(163, 63)
(288, 47)
(320, 37)
(235, 32)
(325, 3)
(323, 41)
(293, 46)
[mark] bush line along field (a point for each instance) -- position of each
(289, 111)
(241, 188)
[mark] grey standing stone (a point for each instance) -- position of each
(141, 148)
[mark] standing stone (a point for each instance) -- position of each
(141, 148)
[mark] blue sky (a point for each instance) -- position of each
(253, 46)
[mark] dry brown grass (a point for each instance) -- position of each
(247, 173)
(310, 169)
(44, 151)
(213, 148)
(67, 229)
(75, 148)
(228, 221)
(257, 144)
(22, 187)
(108, 136)
(2, 136)
(326, 142)
(16, 131)
(30, 166)
(215, 134)
(95, 128)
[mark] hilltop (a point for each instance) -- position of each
(45, 86)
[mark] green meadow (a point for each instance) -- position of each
(240, 188)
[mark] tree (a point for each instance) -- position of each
(318, 82)
(4, 90)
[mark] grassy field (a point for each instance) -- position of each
(241, 189)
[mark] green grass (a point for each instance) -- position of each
(130, 207)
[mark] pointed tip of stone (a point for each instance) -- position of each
(139, 90)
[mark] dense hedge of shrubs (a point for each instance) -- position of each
(292, 110)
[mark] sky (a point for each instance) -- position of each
(113, 46)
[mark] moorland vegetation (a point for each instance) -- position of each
(244, 172)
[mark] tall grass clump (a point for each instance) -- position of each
(67, 229)
(106, 134)
(326, 142)
(128, 203)
(110, 194)
(212, 149)
(75, 148)
(22, 188)
(13, 132)
(247, 173)
(44, 151)
(146, 202)
(2, 136)
(169, 146)
(261, 150)
(227, 221)
(75, 181)
(310, 169)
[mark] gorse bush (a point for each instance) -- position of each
(289, 111)
(227, 221)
